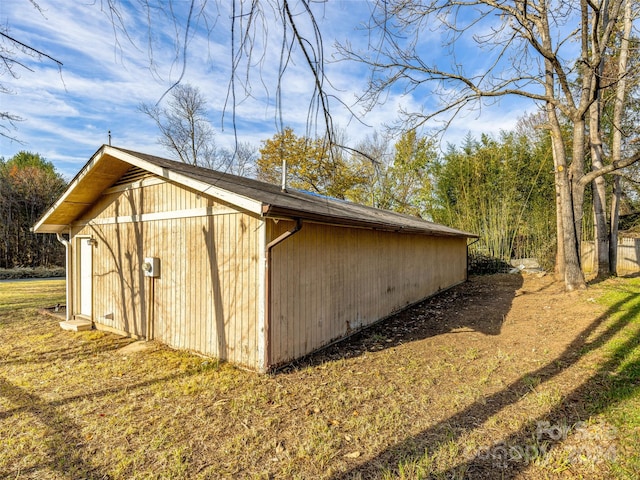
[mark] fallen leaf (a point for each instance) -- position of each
(355, 454)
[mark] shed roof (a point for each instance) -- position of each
(109, 164)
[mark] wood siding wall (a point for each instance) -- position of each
(628, 256)
(206, 298)
(329, 281)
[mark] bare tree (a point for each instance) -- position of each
(618, 133)
(601, 234)
(239, 161)
(16, 56)
(372, 157)
(619, 88)
(184, 127)
(529, 50)
(257, 29)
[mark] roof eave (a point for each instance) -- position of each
(240, 201)
(41, 226)
(51, 228)
(274, 211)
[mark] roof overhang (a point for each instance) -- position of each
(81, 193)
(274, 211)
(109, 164)
(105, 168)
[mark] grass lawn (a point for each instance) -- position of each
(502, 377)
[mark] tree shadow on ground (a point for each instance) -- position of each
(604, 278)
(478, 305)
(615, 380)
(60, 432)
(78, 351)
(66, 451)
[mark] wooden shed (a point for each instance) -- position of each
(235, 268)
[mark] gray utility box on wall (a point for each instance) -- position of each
(151, 267)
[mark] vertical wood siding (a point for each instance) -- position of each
(628, 256)
(328, 281)
(205, 299)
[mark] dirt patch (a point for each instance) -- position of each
(501, 310)
(501, 356)
(137, 347)
(57, 311)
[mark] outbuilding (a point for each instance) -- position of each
(234, 268)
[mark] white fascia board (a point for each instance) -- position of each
(51, 229)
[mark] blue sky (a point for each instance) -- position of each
(105, 75)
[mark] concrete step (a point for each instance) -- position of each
(76, 325)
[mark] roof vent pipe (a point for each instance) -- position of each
(284, 174)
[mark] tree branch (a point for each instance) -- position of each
(29, 48)
(610, 168)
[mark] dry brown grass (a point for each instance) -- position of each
(457, 387)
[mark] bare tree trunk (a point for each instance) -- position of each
(616, 141)
(573, 209)
(601, 228)
(560, 267)
(613, 233)
(601, 233)
(567, 236)
(574, 194)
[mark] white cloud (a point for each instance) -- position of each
(104, 81)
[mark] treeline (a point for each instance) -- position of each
(516, 191)
(500, 188)
(28, 186)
